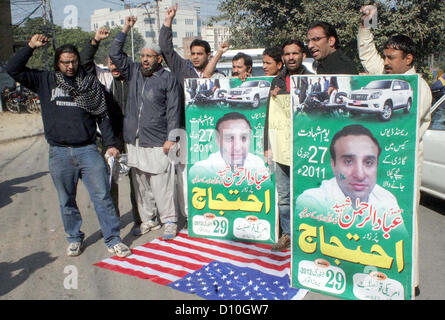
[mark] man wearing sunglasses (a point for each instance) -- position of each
(324, 46)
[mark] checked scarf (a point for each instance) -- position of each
(87, 92)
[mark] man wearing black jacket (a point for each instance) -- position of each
(184, 69)
(72, 104)
(324, 46)
(294, 52)
(116, 92)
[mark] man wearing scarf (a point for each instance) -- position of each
(150, 128)
(73, 104)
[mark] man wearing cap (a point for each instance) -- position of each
(152, 115)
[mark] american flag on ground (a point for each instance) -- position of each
(211, 268)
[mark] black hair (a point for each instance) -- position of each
(353, 130)
(247, 59)
(275, 53)
(201, 43)
(296, 42)
(66, 48)
(402, 43)
(329, 31)
(232, 116)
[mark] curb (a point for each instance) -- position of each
(40, 133)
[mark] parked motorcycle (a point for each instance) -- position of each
(20, 100)
(320, 102)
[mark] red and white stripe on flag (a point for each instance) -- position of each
(164, 262)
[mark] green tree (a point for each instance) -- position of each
(258, 23)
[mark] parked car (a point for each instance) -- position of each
(380, 97)
(433, 172)
(249, 92)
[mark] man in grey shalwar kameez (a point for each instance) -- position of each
(152, 116)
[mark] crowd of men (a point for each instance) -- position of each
(139, 107)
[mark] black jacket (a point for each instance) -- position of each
(153, 108)
(336, 63)
(64, 123)
(116, 95)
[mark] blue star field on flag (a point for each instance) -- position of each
(224, 281)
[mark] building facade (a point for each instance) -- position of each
(150, 19)
(215, 35)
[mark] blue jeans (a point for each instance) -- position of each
(282, 182)
(67, 165)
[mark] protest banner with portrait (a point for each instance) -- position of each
(230, 188)
(353, 190)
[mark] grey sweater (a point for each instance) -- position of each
(153, 103)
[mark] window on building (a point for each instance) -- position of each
(189, 21)
(149, 20)
(189, 34)
(122, 21)
(175, 34)
(112, 23)
(150, 34)
(174, 21)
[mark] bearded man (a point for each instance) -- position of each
(152, 115)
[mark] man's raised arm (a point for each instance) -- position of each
(16, 67)
(174, 61)
(117, 55)
(89, 51)
(211, 66)
(369, 56)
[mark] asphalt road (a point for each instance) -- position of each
(34, 265)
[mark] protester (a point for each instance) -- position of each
(272, 61)
(152, 115)
(72, 104)
(324, 46)
(399, 58)
(242, 66)
(199, 51)
(116, 91)
(184, 69)
(294, 53)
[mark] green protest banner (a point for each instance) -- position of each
(353, 190)
(231, 191)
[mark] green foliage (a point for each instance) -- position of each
(259, 23)
(75, 36)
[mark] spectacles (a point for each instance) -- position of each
(67, 63)
(149, 55)
(315, 39)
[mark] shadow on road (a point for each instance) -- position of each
(13, 274)
(125, 220)
(432, 203)
(9, 188)
(129, 238)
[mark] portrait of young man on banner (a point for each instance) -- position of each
(353, 187)
(230, 188)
